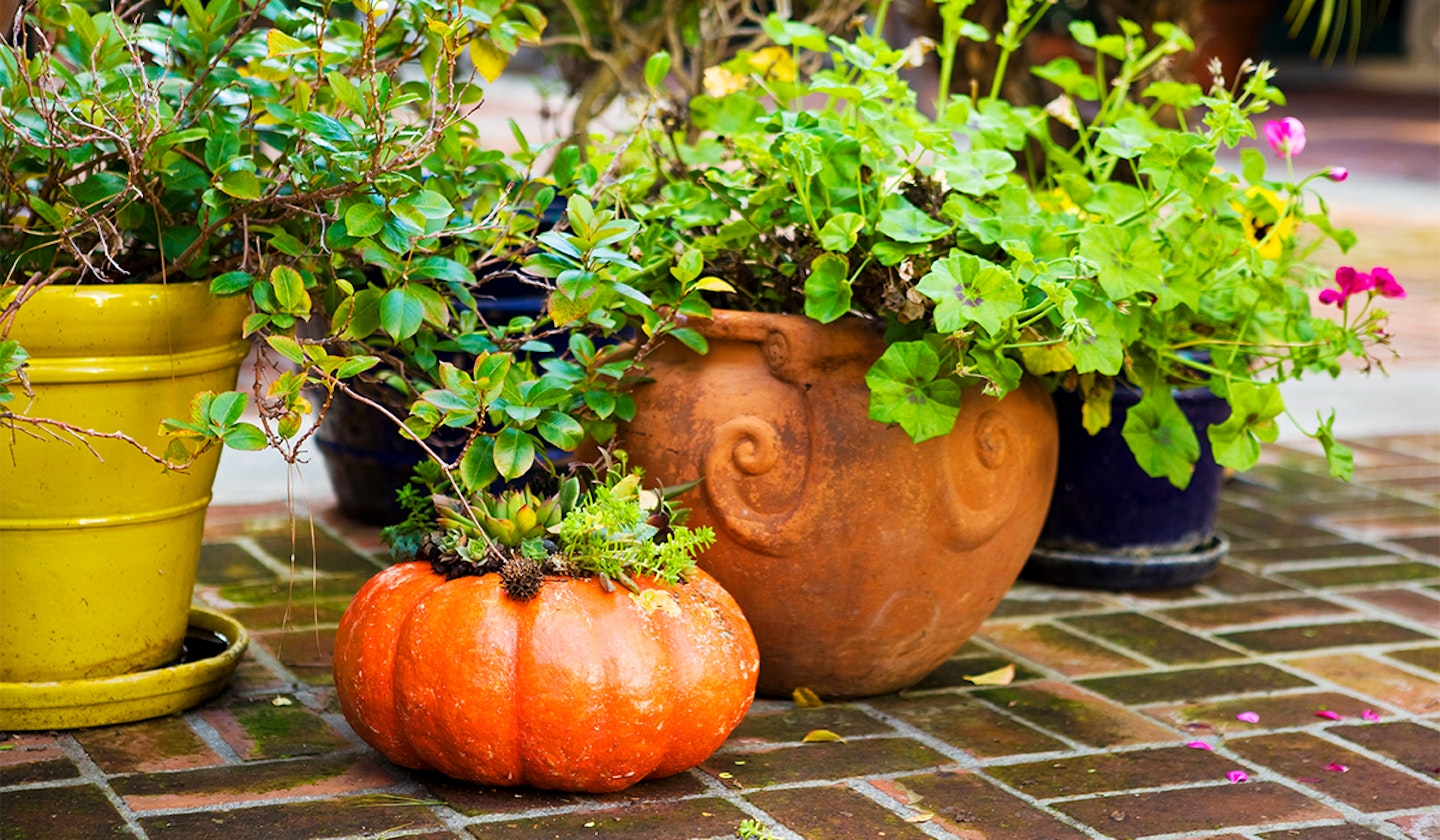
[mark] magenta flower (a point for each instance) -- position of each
(1337, 173)
(1352, 282)
(1329, 715)
(1369, 714)
(1286, 137)
(1248, 717)
(1199, 745)
(1336, 767)
(1236, 776)
(1385, 283)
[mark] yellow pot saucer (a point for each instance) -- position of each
(72, 704)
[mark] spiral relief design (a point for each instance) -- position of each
(973, 508)
(743, 447)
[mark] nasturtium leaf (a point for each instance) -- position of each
(1253, 409)
(841, 231)
(1129, 261)
(1125, 139)
(1161, 438)
(904, 222)
(979, 172)
(827, 288)
(967, 289)
(908, 388)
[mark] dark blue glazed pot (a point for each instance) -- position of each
(1110, 525)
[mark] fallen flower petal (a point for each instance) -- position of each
(1329, 715)
(1286, 137)
(1237, 776)
(1248, 717)
(1199, 745)
(1335, 767)
(1369, 714)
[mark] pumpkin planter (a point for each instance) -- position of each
(578, 689)
(862, 559)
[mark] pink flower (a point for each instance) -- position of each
(1352, 282)
(1236, 776)
(1286, 137)
(1329, 715)
(1199, 745)
(1335, 767)
(1386, 284)
(1337, 173)
(1369, 714)
(1248, 717)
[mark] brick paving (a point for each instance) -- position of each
(1329, 602)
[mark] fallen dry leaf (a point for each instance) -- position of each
(806, 699)
(922, 817)
(999, 676)
(821, 736)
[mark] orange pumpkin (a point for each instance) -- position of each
(577, 689)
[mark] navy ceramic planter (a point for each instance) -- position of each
(1110, 525)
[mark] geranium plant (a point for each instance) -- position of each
(1089, 240)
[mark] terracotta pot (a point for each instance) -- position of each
(862, 560)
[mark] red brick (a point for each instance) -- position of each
(1113, 772)
(1235, 613)
(1376, 679)
(1407, 742)
(166, 743)
(1325, 832)
(1078, 714)
(1058, 649)
(641, 821)
(1367, 785)
(1202, 809)
(833, 811)
(309, 654)
(1419, 826)
(1315, 636)
(299, 821)
(1415, 605)
(73, 813)
(793, 724)
(1193, 683)
(34, 758)
(971, 807)
(252, 783)
(966, 723)
(821, 760)
(1151, 638)
(1276, 711)
(260, 728)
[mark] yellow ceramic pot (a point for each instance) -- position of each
(100, 545)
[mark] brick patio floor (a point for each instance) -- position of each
(1329, 603)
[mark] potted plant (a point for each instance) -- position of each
(193, 163)
(588, 650)
(983, 247)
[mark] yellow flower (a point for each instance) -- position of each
(721, 82)
(774, 63)
(1270, 230)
